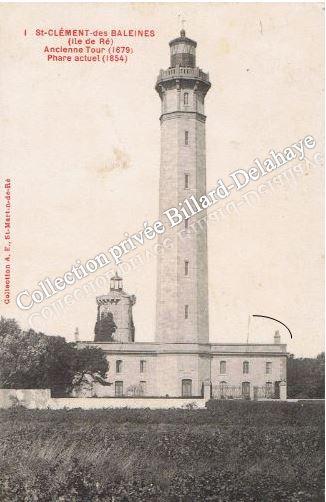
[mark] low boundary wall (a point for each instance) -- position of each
(41, 399)
(129, 402)
(29, 398)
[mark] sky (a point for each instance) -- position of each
(81, 145)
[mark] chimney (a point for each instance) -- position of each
(277, 338)
(76, 335)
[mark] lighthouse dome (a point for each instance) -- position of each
(183, 51)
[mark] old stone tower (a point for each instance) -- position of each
(114, 314)
(182, 284)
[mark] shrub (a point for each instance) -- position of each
(232, 452)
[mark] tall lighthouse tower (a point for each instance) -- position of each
(182, 283)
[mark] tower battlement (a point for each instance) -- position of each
(184, 73)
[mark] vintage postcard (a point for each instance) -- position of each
(162, 252)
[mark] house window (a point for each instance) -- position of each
(186, 267)
(268, 368)
(118, 366)
(186, 388)
(269, 389)
(142, 366)
(222, 367)
(186, 180)
(246, 390)
(186, 311)
(223, 387)
(142, 388)
(186, 137)
(185, 98)
(245, 367)
(119, 388)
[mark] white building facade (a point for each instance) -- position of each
(174, 370)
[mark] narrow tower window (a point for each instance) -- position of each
(222, 367)
(186, 311)
(186, 224)
(186, 267)
(185, 98)
(186, 180)
(186, 137)
(142, 366)
(118, 366)
(245, 367)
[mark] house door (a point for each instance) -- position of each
(186, 388)
(277, 390)
(246, 390)
(118, 389)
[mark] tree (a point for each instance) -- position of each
(89, 362)
(306, 377)
(8, 326)
(104, 328)
(34, 360)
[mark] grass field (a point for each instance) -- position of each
(234, 451)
